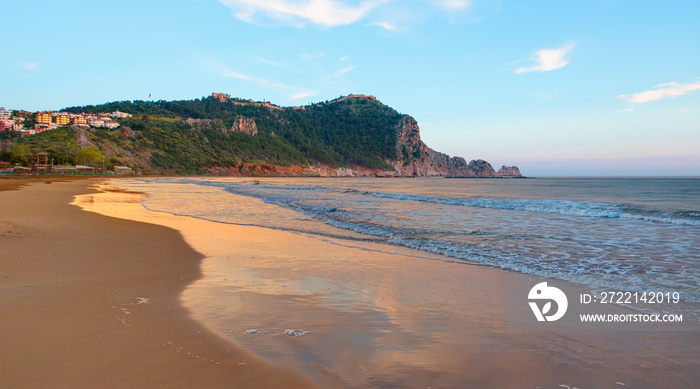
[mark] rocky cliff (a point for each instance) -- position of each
(416, 159)
(245, 125)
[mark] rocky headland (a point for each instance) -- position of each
(351, 136)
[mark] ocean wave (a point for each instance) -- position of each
(563, 207)
(551, 206)
(586, 256)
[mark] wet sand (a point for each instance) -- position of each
(89, 301)
(382, 316)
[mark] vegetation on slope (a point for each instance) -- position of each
(352, 132)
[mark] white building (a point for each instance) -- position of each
(121, 115)
(96, 122)
(111, 124)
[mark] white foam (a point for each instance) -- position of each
(295, 332)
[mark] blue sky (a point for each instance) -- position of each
(555, 87)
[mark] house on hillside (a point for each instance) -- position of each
(121, 115)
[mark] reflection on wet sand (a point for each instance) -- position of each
(382, 316)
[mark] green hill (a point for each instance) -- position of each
(218, 134)
(352, 132)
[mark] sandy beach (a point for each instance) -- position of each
(125, 297)
(92, 301)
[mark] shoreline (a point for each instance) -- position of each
(144, 299)
(94, 301)
(397, 318)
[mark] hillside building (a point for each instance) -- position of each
(221, 96)
(6, 124)
(96, 122)
(121, 115)
(62, 119)
(43, 117)
(111, 124)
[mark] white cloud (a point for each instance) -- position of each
(548, 59)
(303, 94)
(668, 90)
(385, 25)
(452, 5)
(33, 66)
(326, 13)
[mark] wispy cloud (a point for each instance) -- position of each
(668, 90)
(689, 110)
(452, 5)
(266, 61)
(293, 92)
(256, 80)
(549, 96)
(343, 71)
(547, 59)
(326, 13)
(303, 94)
(385, 25)
(32, 66)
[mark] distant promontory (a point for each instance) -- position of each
(354, 135)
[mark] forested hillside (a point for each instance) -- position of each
(355, 134)
(352, 132)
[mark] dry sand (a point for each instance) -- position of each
(72, 290)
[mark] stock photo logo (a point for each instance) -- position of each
(542, 292)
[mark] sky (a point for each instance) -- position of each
(558, 88)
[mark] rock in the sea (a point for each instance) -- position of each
(509, 171)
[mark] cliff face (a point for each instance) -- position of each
(416, 159)
(246, 125)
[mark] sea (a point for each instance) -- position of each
(407, 282)
(624, 234)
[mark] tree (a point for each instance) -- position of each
(89, 155)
